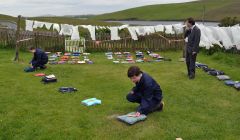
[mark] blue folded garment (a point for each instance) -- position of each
(200, 65)
(130, 119)
(230, 82)
(237, 86)
(91, 102)
(216, 73)
(29, 69)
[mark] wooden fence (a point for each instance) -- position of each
(49, 41)
(52, 41)
(153, 42)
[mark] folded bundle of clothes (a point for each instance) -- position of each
(54, 56)
(90, 62)
(49, 79)
(116, 62)
(81, 62)
(216, 73)
(64, 58)
(29, 69)
(237, 85)
(108, 53)
(76, 54)
(230, 83)
(118, 53)
(223, 77)
(71, 62)
(51, 59)
(61, 62)
(67, 54)
(200, 65)
(39, 74)
(67, 89)
(139, 60)
(110, 57)
(126, 53)
(91, 102)
(154, 55)
(207, 69)
(139, 55)
(86, 54)
(131, 119)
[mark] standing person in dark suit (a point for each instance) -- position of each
(187, 32)
(39, 59)
(147, 92)
(192, 47)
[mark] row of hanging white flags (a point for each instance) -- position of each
(227, 37)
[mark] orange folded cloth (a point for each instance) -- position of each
(39, 74)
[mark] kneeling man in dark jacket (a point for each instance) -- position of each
(147, 92)
(39, 59)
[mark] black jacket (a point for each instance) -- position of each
(39, 57)
(194, 40)
(150, 93)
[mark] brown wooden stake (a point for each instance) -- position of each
(17, 38)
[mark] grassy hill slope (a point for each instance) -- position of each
(215, 10)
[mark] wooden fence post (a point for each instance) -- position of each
(17, 38)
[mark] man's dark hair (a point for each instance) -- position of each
(32, 48)
(134, 71)
(191, 21)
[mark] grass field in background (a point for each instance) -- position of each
(215, 11)
(198, 109)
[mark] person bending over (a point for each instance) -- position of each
(39, 59)
(147, 92)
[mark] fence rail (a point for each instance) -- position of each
(52, 41)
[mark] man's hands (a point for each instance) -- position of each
(193, 53)
(137, 114)
(131, 92)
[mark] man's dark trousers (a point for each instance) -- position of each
(136, 98)
(191, 64)
(40, 64)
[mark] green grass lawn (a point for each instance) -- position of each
(215, 10)
(202, 109)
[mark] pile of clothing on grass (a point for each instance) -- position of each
(69, 58)
(220, 75)
(139, 57)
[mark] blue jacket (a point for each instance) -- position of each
(149, 91)
(39, 57)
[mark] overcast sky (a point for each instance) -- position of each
(72, 7)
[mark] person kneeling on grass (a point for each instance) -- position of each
(39, 59)
(147, 92)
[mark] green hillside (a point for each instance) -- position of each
(64, 20)
(215, 10)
